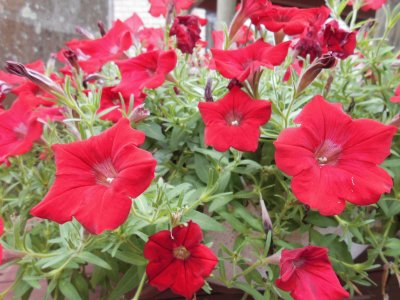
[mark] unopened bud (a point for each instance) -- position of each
(84, 33)
(139, 113)
(208, 91)
(40, 80)
(101, 27)
(234, 82)
(327, 61)
(72, 59)
(265, 216)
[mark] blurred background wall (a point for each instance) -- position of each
(33, 29)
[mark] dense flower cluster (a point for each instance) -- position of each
(127, 108)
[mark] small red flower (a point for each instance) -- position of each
(338, 41)
(308, 274)
(19, 129)
(334, 159)
(109, 98)
(96, 179)
(244, 62)
(178, 261)
(161, 7)
(234, 121)
(95, 53)
(396, 97)
(147, 70)
(370, 4)
(187, 31)
(291, 20)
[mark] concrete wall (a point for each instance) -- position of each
(32, 29)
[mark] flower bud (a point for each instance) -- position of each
(139, 113)
(72, 58)
(101, 27)
(208, 91)
(84, 33)
(326, 61)
(265, 217)
(40, 80)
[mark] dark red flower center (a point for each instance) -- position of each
(105, 172)
(233, 118)
(181, 252)
(328, 153)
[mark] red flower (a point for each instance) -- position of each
(178, 261)
(234, 121)
(109, 98)
(187, 31)
(291, 20)
(308, 274)
(396, 97)
(161, 7)
(96, 178)
(241, 63)
(147, 70)
(370, 4)
(338, 41)
(333, 158)
(134, 23)
(247, 9)
(152, 38)
(19, 129)
(95, 53)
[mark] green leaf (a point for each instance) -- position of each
(68, 290)
(205, 222)
(152, 130)
(95, 260)
(128, 282)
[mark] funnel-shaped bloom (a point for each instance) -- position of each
(334, 159)
(234, 121)
(178, 261)
(96, 179)
(308, 274)
(95, 53)
(147, 70)
(161, 7)
(244, 62)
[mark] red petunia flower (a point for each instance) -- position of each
(161, 7)
(96, 179)
(134, 24)
(234, 121)
(370, 4)
(247, 9)
(291, 20)
(147, 70)
(333, 158)
(187, 31)
(152, 38)
(109, 98)
(338, 41)
(178, 261)
(396, 97)
(244, 62)
(93, 54)
(308, 274)
(19, 129)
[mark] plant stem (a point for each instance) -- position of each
(140, 287)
